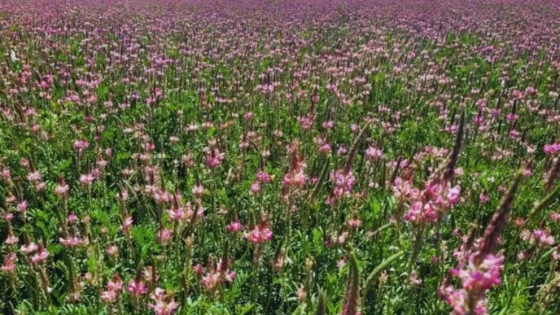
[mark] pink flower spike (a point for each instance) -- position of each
(41, 255)
(136, 288)
(234, 227)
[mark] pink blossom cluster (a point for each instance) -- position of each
(9, 264)
(476, 279)
(542, 237)
(427, 205)
(260, 234)
(41, 253)
(373, 153)
(552, 149)
(262, 178)
(296, 176)
(136, 287)
(218, 275)
(80, 146)
(213, 157)
(113, 290)
(186, 213)
(162, 304)
(343, 181)
(88, 178)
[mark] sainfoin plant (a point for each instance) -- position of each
(279, 157)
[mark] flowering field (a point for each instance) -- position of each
(279, 157)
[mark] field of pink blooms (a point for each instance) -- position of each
(279, 157)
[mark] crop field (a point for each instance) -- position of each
(279, 157)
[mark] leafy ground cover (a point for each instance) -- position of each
(279, 157)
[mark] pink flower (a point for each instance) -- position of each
(72, 218)
(162, 196)
(41, 255)
(234, 227)
(476, 280)
(136, 288)
(484, 276)
(80, 146)
(373, 154)
(71, 241)
(34, 177)
(344, 182)
(295, 178)
(7, 216)
(108, 296)
(542, 237)
(306, 122)
(478, 120)
(87, 179)
(263, 177)
(197, 190)
(325, 148)
(401, 189)
(255, 188)
(556, 254)
(230, 276)
(328, 124)
(113, 250)
(483, 198)
(176, 214)
(193, 214)
(163, 304)
(41, 186)
(115, 284)
(414, 279)
(122, 195)
(342, 150)
(260, 234)
(247, 116)
(164, 235)
(6, 174)
(218, 274)
(198, 269)
(552, 148)
(22, 206)
(459, 300)
(24, 162)
(453, 194)
(214, 158)
(211, 281)
(9, 265)
(342, 262)
(354, 223)
(415, 212)
(127, 224)
(11, 239)
(342, 238)
(29, 248)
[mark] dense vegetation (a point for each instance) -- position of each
(279, 157)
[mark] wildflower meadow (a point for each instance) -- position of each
(279, 157)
